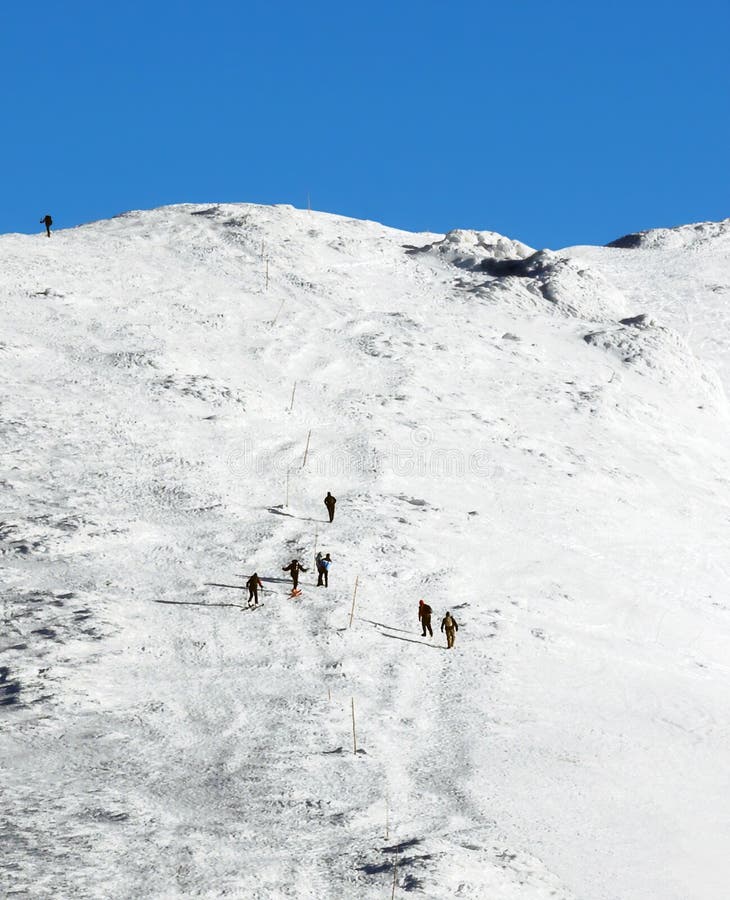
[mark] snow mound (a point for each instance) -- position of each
(651, 349)
(548, 281)
(678, 238)
(471, 249)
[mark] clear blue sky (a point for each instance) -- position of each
(554, 122)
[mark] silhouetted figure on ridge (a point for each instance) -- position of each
(47, 221)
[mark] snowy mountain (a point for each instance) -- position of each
(535, 441)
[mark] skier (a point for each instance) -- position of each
(294, 567)
(323, 569)
(253, 584)
(424, 617)
(450, 626)
(329, 502)
(47, 221)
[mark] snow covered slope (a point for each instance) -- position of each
(501, 444)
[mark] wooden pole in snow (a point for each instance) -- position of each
(306, 449)
(354, 594)
(293, 391)
(281, 306)
(354, 737)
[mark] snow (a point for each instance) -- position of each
(682, 237)
(500, 444)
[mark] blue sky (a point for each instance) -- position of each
(553, 122)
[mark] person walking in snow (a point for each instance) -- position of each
(294, 568)
(424, 617)
(253, 584)
(329, 502)
(47, 221)
(323, 570)
(450, 626)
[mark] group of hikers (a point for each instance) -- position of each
(449, 625)
(322, 562)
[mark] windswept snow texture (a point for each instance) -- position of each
(538, 442)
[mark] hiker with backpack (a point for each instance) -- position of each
(323, 568)
(47, 221)
(450, 626)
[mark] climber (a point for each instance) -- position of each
(450, 626)
(329, 502)
(253, 584)
(424, 617)
(294, 568)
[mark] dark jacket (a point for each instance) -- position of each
(329, 501)
(294, 567)
(254, 582)
(424, 613)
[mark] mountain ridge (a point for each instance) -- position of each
(503, 445)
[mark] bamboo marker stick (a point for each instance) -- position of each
(281, 306)
(354, 737)
(306, 449)
(293, 391)
(354, 594)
